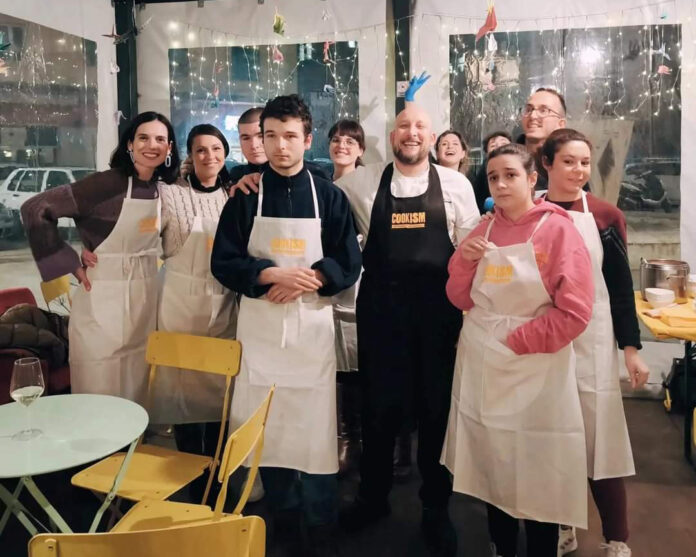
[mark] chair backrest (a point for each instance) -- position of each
(245, 440)
(56, 288)
(233, 535)
(196, 353)
(12, 296)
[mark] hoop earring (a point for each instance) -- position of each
(168, 160)
(130, 154)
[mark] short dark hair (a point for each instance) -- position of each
(558, 139)
(206, 129)
(351, 128)
(288, 106)
(121, 160)
(493, 135)
(555, 92)
(464, 164)
(517, 150)
(250, 116)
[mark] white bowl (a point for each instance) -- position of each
(659, 297)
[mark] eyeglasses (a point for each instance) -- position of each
(349, 141)
(543, 111)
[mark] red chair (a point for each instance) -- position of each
(57, 379)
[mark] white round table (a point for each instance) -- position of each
(77, 429)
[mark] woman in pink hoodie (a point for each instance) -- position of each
(515, 436)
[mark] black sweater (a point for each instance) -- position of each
(288, 197)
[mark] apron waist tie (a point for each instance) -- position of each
(284, 334)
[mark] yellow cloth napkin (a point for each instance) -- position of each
(661, 329)
(680, 316)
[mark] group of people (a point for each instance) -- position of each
(517, 403)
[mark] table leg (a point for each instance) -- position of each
(688, 404)
(114, 488)
(45, 505)
(15, 507)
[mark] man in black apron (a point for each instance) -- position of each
(407, 329)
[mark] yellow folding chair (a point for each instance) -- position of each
(54, 289)
(239, 536)
(247, 439)
(156, 472)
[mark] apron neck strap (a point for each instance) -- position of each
(488, 229)
(542, 220)
(314, 196)
(193, 201)
(130, 187)
(585, 208)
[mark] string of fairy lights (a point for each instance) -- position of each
(622, 71)
(228, 70)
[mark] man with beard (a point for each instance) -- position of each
(543, 113)
(412, 214)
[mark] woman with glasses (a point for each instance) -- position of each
(117, 214)
(346, 147)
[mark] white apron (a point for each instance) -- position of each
(515, 435)
(193, 302)
(109, 325)
(609, 452)
(291, 346)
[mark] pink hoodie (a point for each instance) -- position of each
(564, 264)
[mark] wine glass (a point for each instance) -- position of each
(26, 385)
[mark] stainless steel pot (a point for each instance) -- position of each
(665, 273)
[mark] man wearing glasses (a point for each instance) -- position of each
(544, 112)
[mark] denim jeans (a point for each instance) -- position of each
(315, 494)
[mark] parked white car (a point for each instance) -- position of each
(24, 183)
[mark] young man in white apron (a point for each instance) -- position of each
(288, 249)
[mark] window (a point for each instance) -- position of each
(14, 182)
(31, 181)
(217, 84)
(57, 178)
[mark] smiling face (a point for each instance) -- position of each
(344, 150)
(570, 169)
(450, 151)
(251, 142)
(150, 145)
(412, 136)
(285, 144)
(536, 126)
(510, 185)
(208, 154)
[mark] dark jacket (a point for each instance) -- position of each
(289, 197)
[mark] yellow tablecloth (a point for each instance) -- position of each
(662, 330)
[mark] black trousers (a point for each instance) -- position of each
(542, 537)
(200, 439)
(407, 336)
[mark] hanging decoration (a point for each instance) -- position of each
(327, 55)
(278, 24)
(113, 67)
(490, 24)
(277, 55)
(118, 39)
(325, 15)
(118, 116)
(664, 70)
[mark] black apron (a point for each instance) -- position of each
(407, 335)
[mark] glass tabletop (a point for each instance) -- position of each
(77, 429)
